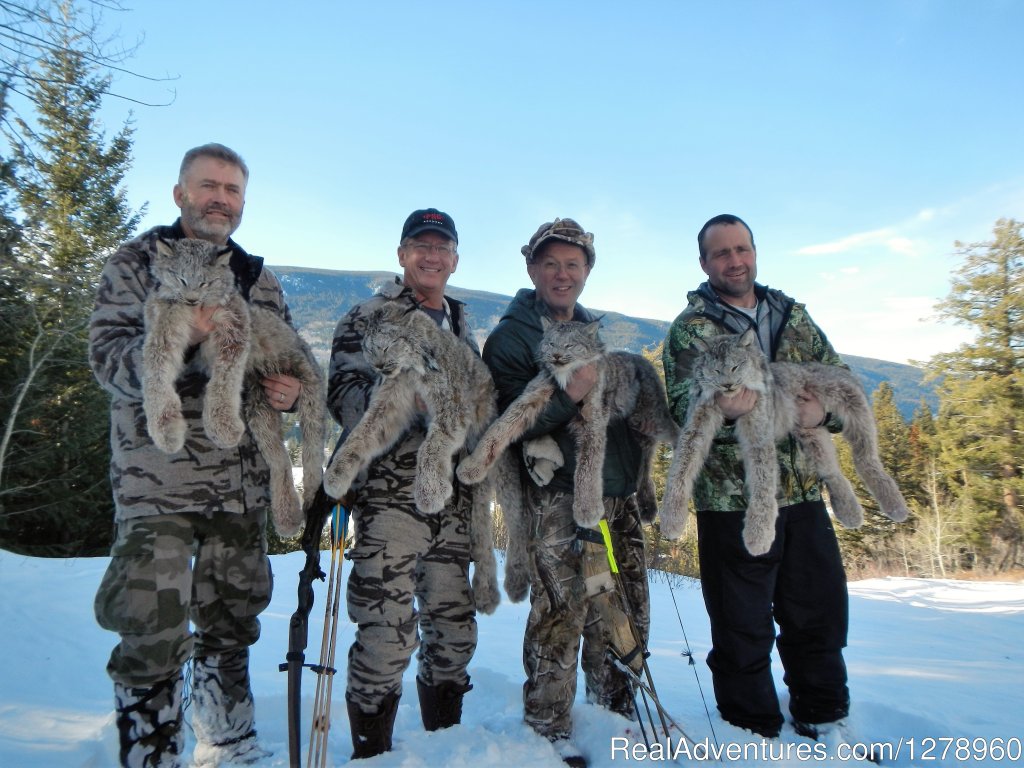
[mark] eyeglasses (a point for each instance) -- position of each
(424, 249)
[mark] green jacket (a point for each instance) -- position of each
(794, 338)
(510, 352)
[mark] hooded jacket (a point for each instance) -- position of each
(794, 338)
(511, 354)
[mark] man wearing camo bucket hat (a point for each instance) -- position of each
(559, 258)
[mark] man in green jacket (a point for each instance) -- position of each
(559, 258)
(799, 583)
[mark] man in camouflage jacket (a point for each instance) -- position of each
(800, 581)
(409, 584)
(191, 526)
(559, 258)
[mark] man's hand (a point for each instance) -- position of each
(282, 391)
(202, 324)
(810, 413)
(582, 381)
(740, 404)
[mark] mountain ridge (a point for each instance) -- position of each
(318, 298)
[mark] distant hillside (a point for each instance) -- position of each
(319, 297)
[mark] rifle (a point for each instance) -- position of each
(298, 627)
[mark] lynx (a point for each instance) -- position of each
(247, 343)
(419, 361)
(627, 386)
(729, 362)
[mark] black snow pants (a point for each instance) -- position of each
(798, 584)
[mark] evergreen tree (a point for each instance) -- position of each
(982, 393)
(74, 213)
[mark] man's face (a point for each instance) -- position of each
(428, 259)
(730, 263)
(211, 198)
(559, 275)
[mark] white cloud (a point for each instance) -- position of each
(898, 328)
(849, 243)
(903, 246)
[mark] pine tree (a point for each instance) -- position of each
(74, 213)
(982, 393)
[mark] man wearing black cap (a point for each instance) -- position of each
(401, 553)
(559, 258)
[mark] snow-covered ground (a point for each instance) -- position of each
(936, 672)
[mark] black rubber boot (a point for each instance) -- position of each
(441, 704)
(371, 733)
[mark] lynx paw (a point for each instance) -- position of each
(517, 581)
(431, 493)
(167, 431)
(759, 532)
(898, 514)
(843, 501)
(587, 514)
(339, 475)
(485, 587)
(223, 426)
(673, 521)
(288, 517)
(471, 470)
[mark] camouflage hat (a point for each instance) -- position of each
(566, 230)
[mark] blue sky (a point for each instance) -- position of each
(858, 139)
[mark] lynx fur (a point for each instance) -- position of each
(627, 386)
(419, 361)
(730, 362)
(247, 343)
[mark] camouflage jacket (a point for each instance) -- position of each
(794, 338)
(510, 352)
(350, 384)
(201, 477)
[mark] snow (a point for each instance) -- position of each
(935, 666)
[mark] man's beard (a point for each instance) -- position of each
(209, 228)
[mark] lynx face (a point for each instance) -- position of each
(567, 346)
(194, 272)
(392, 342)
(729, 364)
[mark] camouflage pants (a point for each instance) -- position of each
(561, 612)
(166, 570)
(410, 572)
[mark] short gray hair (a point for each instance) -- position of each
(217, 152)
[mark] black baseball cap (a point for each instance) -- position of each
(430, 219)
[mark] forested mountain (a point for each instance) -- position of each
(319, 297)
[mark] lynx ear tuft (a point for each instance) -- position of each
(164, 247)
(748, 338)
(430, 361)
